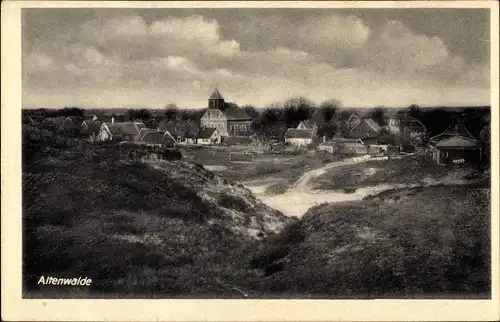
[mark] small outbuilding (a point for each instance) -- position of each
(456, 145)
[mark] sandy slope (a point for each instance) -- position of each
(300, 197)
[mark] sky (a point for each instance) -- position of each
(134, 58)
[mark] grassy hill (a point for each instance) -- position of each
(174, 229)
(161, 227)
(415, 243)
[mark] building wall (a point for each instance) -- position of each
(216, 103)
(298, 141)
(214, 118)
(204, 141)
(394, 126)
(104, 134)
(239, 128)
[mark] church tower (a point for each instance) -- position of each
(216, 100)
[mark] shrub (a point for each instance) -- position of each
(232, 202)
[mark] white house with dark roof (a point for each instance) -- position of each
(299, 137)
(121, 131)
(227, 118)
(208, 136)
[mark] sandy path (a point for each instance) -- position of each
(299, 197)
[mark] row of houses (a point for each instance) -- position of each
(353, 126)
(456, 145)
(96, 130)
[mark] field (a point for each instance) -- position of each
(281, 168)
(411, 170)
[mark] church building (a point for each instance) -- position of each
(228, 118)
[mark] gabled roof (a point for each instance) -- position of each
(124, 128)
(158, 137)
(92, 126)
(143, 131)
(232, 105)
(216, 95)
(308, 124)
(456, 129)
(457, 142)
(206, 132)
(299, 134)
(374, 125)
(236, 114)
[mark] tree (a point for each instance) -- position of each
(172, 111)
(143, 114)
(378, 115)
(251, 111)
(414, 111)
(131, 114)
(297, 110)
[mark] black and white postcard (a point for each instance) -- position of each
(224, 161)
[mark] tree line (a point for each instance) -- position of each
(272, 121)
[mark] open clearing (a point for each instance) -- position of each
(340, 181)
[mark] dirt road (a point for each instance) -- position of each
(299, 197)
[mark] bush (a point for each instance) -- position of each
(233, 202)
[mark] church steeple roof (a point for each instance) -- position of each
(216, 95)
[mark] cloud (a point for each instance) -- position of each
(334, 32)
(37, 61)
(179, 59)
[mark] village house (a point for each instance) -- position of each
(367, 128)
(184, 131)
(119, 131)
(208, 136)
(158, 138)
(407, 127)
(344, 146)
(227, 118)
(349, 121)
(299, 138)
(456, 145)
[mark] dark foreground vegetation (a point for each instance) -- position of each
(134, 227)
(411, 243)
